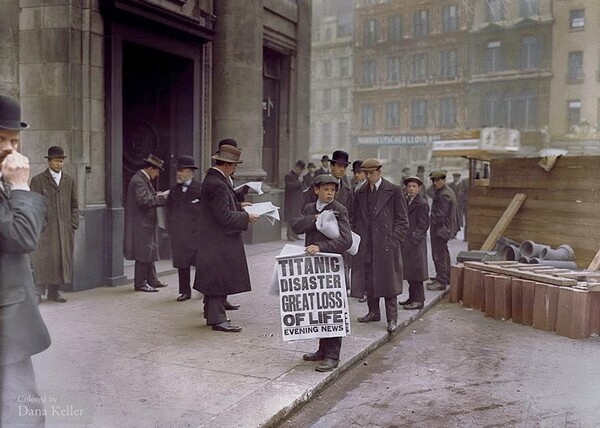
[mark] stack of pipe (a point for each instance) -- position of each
(530, 252)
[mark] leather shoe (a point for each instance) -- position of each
(313, 356)
(56, 297)
(327, 365)
(38, 299)
(414, 305)
(392, 326)
(231, 306)
(370, 317)
(436, 286)
(362, 299)
(146, 288)
(228, 320)
(227, 327)
(184, 297)
(159, 284)
(430, 281)
(405, 302)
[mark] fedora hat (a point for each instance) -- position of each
(413, 178)
(55, 152)
(325, 158)
(340, 156)
(155, 161)
(229, 142)
(10, 114)
(371, 164)
(229, 154)
(186, 161)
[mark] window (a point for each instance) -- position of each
(344, 67)
(493, 60)
(369, 72)
(419, 113)
(447, 112)
(328, 33)
(326, 140)
(529, 52)
(577, 19)
(327, 67)
(526, 111)
(393, 70)
(529, 8)
(575, 67)
(421, 23)
(449, 19)
(574, 113)
(370, 32)
(392, 114)
(342, 133)
(368, 116)
(449, 63)
(326, 99)
(343, 98)
(495, 10)
(419, 67)
(395, 28)
(492, 110)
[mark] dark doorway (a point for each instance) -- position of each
(271, 105)
(158, 110)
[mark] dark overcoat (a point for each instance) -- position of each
(53, 258)
(221, 266)
(140, 219)
(390, 223)
(307, 223)
(22, 329)
(293, 196)
(182, 215)
(414, 248)
(444, 214)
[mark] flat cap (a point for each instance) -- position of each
(325, 179)
(371, 164)
(413, 178)
(440, 173)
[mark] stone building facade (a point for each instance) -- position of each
(410, 78)
(114, 80)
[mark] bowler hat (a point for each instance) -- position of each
(55, 152)
(414, 179)
(311, 165)
(340, 156)
(440, 173)
(325, 179)
(185, 161)
(228, 154)
(10, 114)
(325, 158)
(371, 164)
(356, 165)
(155, 161)
(300, 163)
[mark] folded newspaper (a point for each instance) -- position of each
(267, 209)
(254, 185)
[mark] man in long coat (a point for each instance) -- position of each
(222, 263)
(293, 196)
(53, 259)
(23, 332)
(380, 218)
(414, 249)
(182, 213)
(444, 226)
(141, 241)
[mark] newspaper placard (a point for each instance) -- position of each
(312, 296)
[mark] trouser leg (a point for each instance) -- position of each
(391, 309)
(141, 274)
(372, 301)
(17, 381)
(441, 259)
(215, 309)
(53, 288)
(416, 292)
(330, 347)
(184, 281)
(152, 277)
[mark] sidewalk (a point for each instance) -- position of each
(126, 359)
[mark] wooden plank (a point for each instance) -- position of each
(595, 263)
(579, 274)
(502, 224)
(549, 279)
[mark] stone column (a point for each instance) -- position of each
(237, 82)
(9, 48)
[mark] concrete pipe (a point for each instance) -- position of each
(511, 252)
(564, 252)
(523, 259)
(531, 249)
(561, 264)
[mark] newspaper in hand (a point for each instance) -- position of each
(267, 209)
(254, 185)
